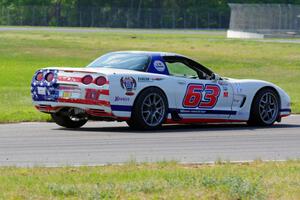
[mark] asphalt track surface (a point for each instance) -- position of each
(100, 143)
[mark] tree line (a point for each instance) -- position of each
(140, 3)
(122, 13)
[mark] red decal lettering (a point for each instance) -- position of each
(193, 97)
(212, 93)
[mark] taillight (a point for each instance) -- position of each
(101, 80)
(49, 77)
(87, 79)
(39, 76)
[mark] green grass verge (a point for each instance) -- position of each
(165, 180)
(22, 53)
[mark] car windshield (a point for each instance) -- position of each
(130, 61)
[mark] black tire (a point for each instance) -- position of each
(64, 120)
(142, 115)
(265, 108)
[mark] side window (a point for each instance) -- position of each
(180, 69)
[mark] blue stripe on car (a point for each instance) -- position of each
(121, 108)
(182, 111)
(193, 111)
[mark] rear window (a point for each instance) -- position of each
(132, 61)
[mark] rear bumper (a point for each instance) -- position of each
(91, 110)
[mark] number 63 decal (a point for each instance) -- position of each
(202, 96)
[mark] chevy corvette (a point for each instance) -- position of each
(148, 89)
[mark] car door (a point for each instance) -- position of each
(200, 98)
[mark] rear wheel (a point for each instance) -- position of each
(68, 119)
(150, 110)
(265, 108)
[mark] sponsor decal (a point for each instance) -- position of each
(117, 98)
(128, 84)
(193, 111)
(144, 79)
(226, 94)
(223, 82)
(147, 79)
(69, 79)
(157, 79)
(159, 65)
(238, 88)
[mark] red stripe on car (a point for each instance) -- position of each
(123, 118)
(99, 113)
(104, 92)
(85, 101)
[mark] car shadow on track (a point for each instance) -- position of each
(184, 128)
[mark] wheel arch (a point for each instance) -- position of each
(140, 92)
(263, 88)
(135, 121)
(257, 92)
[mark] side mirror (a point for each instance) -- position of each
(216, 77)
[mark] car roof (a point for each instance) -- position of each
(151, 53)
(158, 56)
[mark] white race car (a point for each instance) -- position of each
(148, 89)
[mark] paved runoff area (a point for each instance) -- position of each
(100, 143)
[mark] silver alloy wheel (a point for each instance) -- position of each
(268, 108)
(153, 109)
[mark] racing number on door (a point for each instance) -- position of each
(211, 96)
(193, 97)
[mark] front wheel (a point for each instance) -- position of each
(67, 119)
(150, 110)
(265, 108)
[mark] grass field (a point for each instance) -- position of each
(169, 180)
(22, 53)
